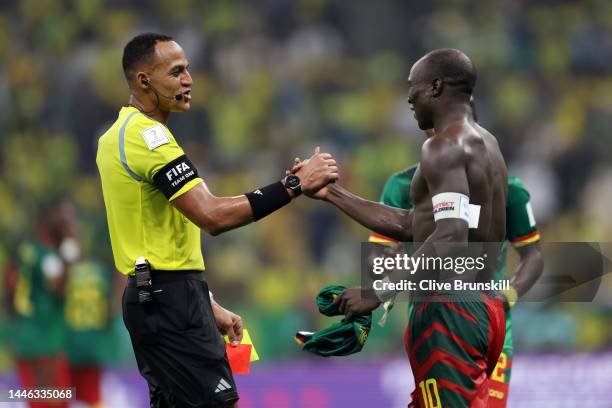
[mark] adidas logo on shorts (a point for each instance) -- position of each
(222, 386)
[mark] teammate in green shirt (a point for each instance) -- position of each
(35, 284)
(522, 233)
(89, 338)
(156, 204)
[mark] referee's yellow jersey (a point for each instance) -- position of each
(142, 169)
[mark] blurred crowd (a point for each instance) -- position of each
(275, 78)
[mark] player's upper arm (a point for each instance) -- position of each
(443, 165)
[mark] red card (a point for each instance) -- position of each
(239, 358)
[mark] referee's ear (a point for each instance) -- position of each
(141, 81)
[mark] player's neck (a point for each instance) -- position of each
(450, 113)
(149, 108)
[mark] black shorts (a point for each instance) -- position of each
(178, 347)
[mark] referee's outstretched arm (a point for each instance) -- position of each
(219, 214)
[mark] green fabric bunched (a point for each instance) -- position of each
(339, 339)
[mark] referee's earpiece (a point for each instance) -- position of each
(146, 82)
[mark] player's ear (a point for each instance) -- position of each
(436, 87)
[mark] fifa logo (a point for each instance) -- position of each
(177, 171)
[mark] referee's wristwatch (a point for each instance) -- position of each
(293, 183)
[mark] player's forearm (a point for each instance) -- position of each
(529, 269)
(451, 232)
(392, 222)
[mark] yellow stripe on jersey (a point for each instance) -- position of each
(526, 239)
(379, 238)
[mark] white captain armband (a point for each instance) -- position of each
(70, 250)
(451, 205)
(52, 266)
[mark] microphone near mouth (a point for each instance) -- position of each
(148, 83)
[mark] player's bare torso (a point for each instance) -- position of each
(486, 176)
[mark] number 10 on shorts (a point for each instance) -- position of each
(429, 390)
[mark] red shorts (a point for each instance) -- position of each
(453, 348)
(45, 372)
(86, 380)
(499, 382)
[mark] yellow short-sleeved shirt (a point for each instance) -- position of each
(142, 169)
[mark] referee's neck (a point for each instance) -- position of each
(149, 108)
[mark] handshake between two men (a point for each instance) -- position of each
(311, 176)
(318, 175)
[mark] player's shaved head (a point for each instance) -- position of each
(439, 78)
(451, 66)
(139, 50)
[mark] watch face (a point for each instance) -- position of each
(292, 181)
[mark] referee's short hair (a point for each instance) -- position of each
(138, 49)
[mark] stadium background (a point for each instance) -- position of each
(274, 78)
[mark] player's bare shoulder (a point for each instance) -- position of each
(463, 140)
(487, 175)
(493, 154)
(442, 151)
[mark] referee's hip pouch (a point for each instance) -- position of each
(178, 348)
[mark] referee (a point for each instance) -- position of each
(156, 205)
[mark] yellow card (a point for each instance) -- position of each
(246, 339)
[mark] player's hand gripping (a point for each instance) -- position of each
(315, 173)
(353, 302)
(228, 323)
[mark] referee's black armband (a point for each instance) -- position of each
(266, 200)
(174, 175)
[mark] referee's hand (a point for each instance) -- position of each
(228, 323)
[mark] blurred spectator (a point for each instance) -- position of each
(36, 285)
